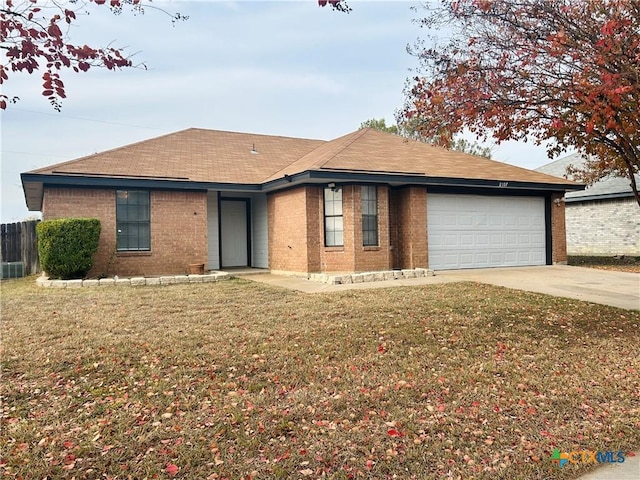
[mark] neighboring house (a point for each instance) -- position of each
(363, 202)
(602, 220)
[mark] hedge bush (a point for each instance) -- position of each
(67, 246)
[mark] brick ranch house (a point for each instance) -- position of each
(363, 202)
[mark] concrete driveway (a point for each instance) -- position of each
(618, 289)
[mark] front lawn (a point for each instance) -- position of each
(241, 380)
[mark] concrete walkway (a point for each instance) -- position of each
(617, 289)
(627, 470)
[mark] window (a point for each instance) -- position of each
(333, 228)
(133, 222)
(369, 216)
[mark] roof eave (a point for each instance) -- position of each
(604, 196)
(315, 176)
(33, 185)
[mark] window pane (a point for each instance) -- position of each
(338, 239)
(337, 206)
(133, 220)
(142, 212)
(331, 239)
(337, 225)
(329, 224)
(328, 207)
(144, 237)
(366, 238)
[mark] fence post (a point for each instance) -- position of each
(29, 252)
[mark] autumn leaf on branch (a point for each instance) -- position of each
(34, 36)
(339, 5)
(562, 73)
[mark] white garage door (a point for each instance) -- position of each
(476, 231)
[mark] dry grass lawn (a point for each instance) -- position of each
(242, 380)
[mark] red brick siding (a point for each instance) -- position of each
(339, 259)
(558, 229)
(296, 231)
(372, 258)
(288, 227)
(315, 228)
(412, 228)
(178, 229)
(394, 228)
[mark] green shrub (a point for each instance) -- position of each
(66, 246)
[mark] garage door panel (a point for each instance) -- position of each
(524, 239)
(466, 240)
(465, 258)
(451, 239)
(465, 221)
(482, 239)
(510, 239)
(511, 258)
(538, 239)
(473, 231)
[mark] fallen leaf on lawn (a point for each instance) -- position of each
(172, 469)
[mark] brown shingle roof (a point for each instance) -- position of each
(196, 155)
(200, 155)
(376, 151)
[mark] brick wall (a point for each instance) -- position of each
(339, 259)
(178, 229)
(296, 232)
(379, 257)
(315, 228)
(394, 228)
(558, 229)
(606, 227)
(288, 230)
(411, 222)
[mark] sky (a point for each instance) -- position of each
(279, 68)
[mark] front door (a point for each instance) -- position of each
(234, 233)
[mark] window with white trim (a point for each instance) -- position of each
(333, 226)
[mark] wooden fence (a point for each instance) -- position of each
(20, 244)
